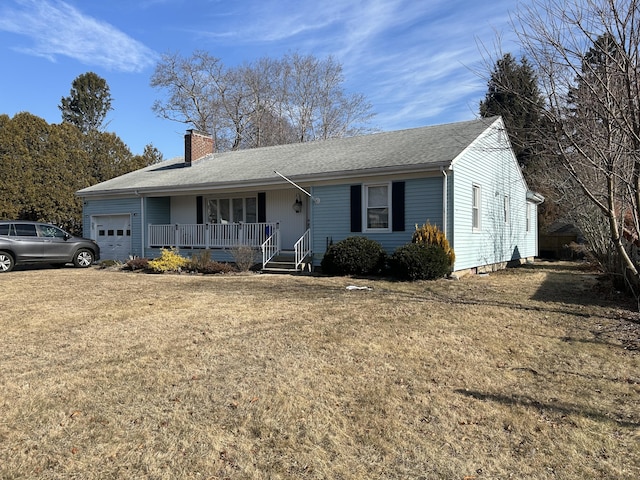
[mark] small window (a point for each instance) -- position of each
(506, 209)
(377, 207)
(110, 233)
(120, 233)
(101, 233)
(528, 217)
(476, 200)
(128, 233)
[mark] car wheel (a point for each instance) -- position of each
(6, 262)
(83, 258)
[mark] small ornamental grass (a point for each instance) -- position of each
(244, 257)
(429, 234)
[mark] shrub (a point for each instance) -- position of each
(136, 263)
(431, 235)
(217, 267)
(201, 262)
(354, 256)
(419, 261)
(168, 261)
(244, 257)
(109, 263)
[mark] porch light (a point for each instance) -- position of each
(297, 205)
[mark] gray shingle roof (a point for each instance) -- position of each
(425, 148)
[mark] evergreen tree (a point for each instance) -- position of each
(513, 93)
(44, 165)
(88, 103)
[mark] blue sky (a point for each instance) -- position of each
(416, 61)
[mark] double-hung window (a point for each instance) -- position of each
(377, 207)
(378, 202)
(476, 202)
(232, 210)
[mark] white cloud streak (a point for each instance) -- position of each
(413, 60)
(58, 29)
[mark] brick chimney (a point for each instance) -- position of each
(196, 146)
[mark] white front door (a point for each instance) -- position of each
(113, 234)
(280, 208)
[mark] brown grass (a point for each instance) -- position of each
(527, 373)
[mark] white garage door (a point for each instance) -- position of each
(113, 234)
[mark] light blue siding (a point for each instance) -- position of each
(331, 217)
(115, 206)
(157, 212)
(489, 163)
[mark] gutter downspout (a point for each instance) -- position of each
(444, 202)
(142, 225)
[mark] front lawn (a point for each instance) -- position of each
(527, 373)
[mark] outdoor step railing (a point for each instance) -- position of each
(270, 247)
(210, 235)
(302, 248)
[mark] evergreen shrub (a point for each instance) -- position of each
(419, 261)
(169, 260)
(354, 256)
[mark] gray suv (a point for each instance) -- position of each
(24, 242)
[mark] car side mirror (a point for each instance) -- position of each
(67, 236)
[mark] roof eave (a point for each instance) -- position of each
(269, 182)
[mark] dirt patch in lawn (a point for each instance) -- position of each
(526, 373)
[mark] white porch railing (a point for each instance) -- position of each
(270, 247)
(302, 248)
(210, 235)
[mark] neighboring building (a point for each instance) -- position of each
(301, 197)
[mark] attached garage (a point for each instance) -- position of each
(113, 234)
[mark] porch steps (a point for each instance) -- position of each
(284, 262)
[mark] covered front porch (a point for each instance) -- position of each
(264, 237)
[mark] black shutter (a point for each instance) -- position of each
(356, 208)
(262, 207)
(199, 210)
(397, 206)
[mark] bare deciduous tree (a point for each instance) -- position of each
(294, 99)
(190, 86)
(586, 54)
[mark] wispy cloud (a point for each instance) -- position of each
(56, 28)
(413, 60)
